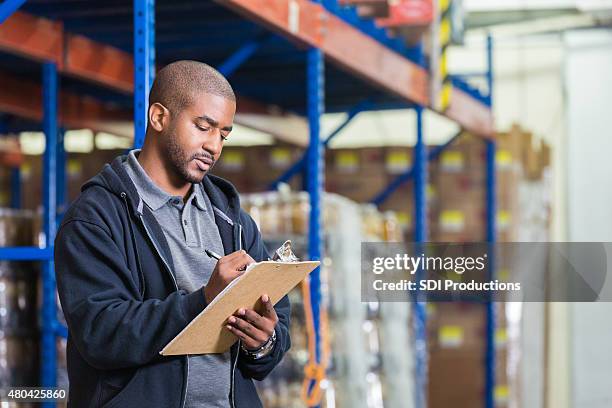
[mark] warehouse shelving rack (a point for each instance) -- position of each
(418, 173)
(301, 33)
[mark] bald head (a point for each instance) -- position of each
(179, 83)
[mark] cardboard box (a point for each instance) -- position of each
(457, 326)
(457, 355)
(456, 379)
(343, 161)
(453, 185)
(368, 160)
(31, 182)
(511, 146)
(265, 164)
(545, 155)
(398, 159)
(460, 216)
(465, 152)
(468, 224)
(360, 188)
(233, 161)
(372, 159)
(402, 203)
(261, 159)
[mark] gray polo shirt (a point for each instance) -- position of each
(189, 228)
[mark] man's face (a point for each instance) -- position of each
(195, 135)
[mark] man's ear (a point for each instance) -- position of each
(159, 116)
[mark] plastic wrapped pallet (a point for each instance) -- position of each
(350, 370)
(361, 371)
(19, 293)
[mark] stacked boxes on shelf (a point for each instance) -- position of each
(460, 180)
(457, 331)
(355, 173)
(253, 168)
(397, 161)
(19, 302)
(457, 344)
(80, 167)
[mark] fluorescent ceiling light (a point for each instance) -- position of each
(505, 5)
(539, 26)
(594, 5)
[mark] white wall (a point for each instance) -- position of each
(589, 92)
(588, 80)
(528, 90)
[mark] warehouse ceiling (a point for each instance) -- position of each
(490, 13)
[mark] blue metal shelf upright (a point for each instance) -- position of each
(418, 172)
(53, 197)
(491, 213)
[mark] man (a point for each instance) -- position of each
(132, 270)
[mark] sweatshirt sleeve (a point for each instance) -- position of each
(260, 368)
(111, 326)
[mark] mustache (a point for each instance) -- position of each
(204, 155)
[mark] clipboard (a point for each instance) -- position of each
(207, 334)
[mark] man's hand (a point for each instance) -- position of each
(251, 327)
(227, 269)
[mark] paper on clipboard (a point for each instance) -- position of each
(207, 333)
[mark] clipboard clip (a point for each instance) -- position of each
(284, 253)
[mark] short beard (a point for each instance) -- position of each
(179, 162)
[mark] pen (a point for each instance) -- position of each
(212, 254)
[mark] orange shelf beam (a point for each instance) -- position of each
(310, 25)
(24, 99)
(32, 37)
(302, 21)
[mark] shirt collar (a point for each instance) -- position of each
(151, 194)
(199, 197)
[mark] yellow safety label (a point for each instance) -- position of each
(347, 162)
(404, 218)
(233, 160)
(452, 161)
(503, 159)
(450, 336)
(431, 309)
(501, 337)
(74, 167)
(503, 274)
(454, 276)
(501, 394)
(452, 220)
(430, 192)
(398, 162)
(280, 158)
(504, 218)
(25, 170)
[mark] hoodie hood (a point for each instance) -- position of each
(114, 178)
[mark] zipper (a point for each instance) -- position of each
(234, 373)
(184, 397)
(138, 265)
(186, 383)
(158, 251)
(233, 389)
(239, 237)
